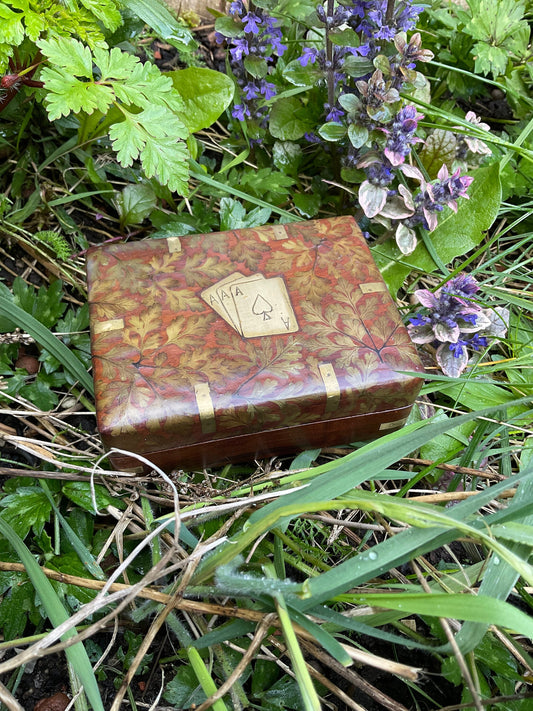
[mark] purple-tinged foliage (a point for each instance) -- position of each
(454, 323)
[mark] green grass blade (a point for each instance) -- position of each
(204, 677)
(305, 683)
(477, 608)
(57, 614)
(402, 547)
(335, 479)
(500, 577)
(47, 340)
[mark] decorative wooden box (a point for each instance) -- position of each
(249, 343)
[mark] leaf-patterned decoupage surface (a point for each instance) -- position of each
(215, 335)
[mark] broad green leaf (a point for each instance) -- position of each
(344, 38)
(134, 203)
(332, 131)
(80, 493)
(455, 235)
(440, 147)
(289, 120)
(28, 507)
(16, 604)
(256, 66)
(295, 74)
(205, 93)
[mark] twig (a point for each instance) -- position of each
(452, 468)
(9, 700)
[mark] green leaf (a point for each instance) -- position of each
(14, 609)
(106, 11)
(158, 16)
(455, 235)
(80, 493)
(295, 74)
(134, 203)
(27, 508)
(151, 135)
(358, 135)
(256, 66)
(307, 204)
(440, 147)
(205, 93)
(67, 94)
(332, 131)
(289, 120)
(344, 38)
(46, 305)
(184, 691)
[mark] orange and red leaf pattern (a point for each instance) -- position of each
(155, 339)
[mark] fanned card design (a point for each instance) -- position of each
(212, 336)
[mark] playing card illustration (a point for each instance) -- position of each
(253, 306)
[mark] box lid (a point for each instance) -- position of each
(211, 336)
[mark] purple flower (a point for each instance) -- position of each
(419, 320)
(240, 111)
(462, 285)
(267, 89)
(237, 8)
(240, 48)
(471, 318)
(380, 173)
(402, 136)
(251, 91)
(309, 55)
(334, 114)
(477, 342)
(252, 23)
(457, 348)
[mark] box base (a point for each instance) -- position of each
(269, 443)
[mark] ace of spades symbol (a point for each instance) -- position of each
(263, 307)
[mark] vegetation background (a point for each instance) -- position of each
(387, 575)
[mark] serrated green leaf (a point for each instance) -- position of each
(205, 94)
(67, 94)
(114, 64)
(69, 54)
(106, 11)
(455, 235)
